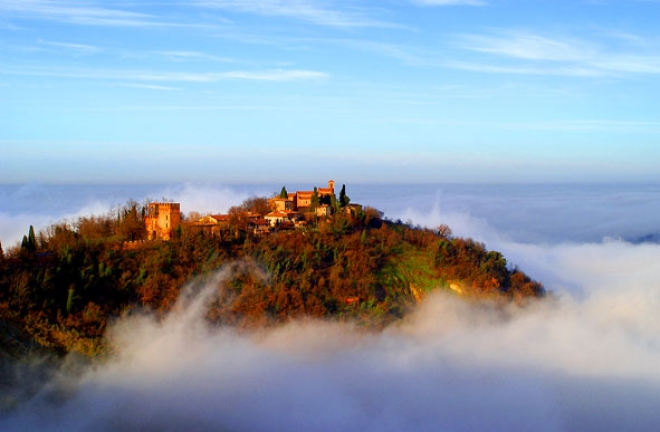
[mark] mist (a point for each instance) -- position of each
(584, 359)
(585, 362)
(43, 205)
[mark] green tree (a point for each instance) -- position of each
(284, 193)
(344, 200)
(31, 240)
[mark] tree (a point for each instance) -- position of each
(31, 240)
(130, 223)
(2, 254)
(444, 231)
(284, 193)
(315, 201)
(256, 204)
(344, 200)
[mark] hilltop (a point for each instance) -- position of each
(64, 285)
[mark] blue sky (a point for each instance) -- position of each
(361, 91)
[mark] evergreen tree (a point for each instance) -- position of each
(344, 200)
(284, 193)
(31, 240)
(2, 254)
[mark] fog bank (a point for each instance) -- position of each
(577, 362)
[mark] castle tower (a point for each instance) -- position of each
(161, 220)
(331, 185)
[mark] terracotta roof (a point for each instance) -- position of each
(211, 219)
(276, 214)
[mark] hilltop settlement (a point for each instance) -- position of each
(285, 211)
(308, 253)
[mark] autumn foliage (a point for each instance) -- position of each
(80, 275)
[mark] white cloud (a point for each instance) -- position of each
(572, 71)
(158, 76)
(151, 86)
(313, 11)
(449, 2)
(529, 46)
(524, 52)
(180, 56)
(76, 47)
(75, 13)
(88, 14)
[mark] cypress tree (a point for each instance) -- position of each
(69, 300)
(31, 240)
(284, 193)
(344, 200)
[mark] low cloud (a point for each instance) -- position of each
(585, 362)
(43, 205)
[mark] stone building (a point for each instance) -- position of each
(212, 225)
(161, 220)
(300, 200)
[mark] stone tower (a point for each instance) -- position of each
(161, 220)
(331, 185)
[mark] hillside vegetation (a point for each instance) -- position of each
(64, 285)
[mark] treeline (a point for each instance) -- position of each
(64, 284)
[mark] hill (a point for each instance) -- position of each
(64, 285)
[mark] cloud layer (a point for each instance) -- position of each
(566, 364)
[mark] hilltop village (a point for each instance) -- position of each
(286, 211)
(310, 253)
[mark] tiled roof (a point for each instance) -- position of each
(276, 214)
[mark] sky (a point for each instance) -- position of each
(409, 91)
